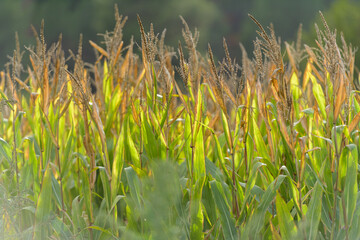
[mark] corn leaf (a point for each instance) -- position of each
(227, 221)
(286, 222)
(313, 213)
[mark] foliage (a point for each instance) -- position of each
(256, 151)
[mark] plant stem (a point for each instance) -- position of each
(15, 153)
(60, 178)
(236, 209)
(335, 165)
(141, 133)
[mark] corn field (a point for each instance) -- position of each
(172, 144)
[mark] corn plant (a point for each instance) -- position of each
(171, 144)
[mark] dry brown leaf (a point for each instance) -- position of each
(99, 49)
(118, 53)
(260, 99)
(291, 58)
(45, 89)
(125, 64)
(275, 88)
(22, 84)
(354, 122)
(96, 117)
(134, 113)
(228, 92)
(340, 98)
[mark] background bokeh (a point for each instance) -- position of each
(214, 19)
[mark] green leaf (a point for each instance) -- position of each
(294, 86)
(61, 229)
(354, 227)
(351, 186)
(251, 181)
(199, 156)
(209, 206)
(270, 193)
(134, 186)
(114, 105)
(67, 153)
(226, 128)
(213, 170)
(221, 157)
(286, 222)
(118, 162)
(106, 187)
(107, 85)
(166, 111)
(256, 221)
(313, 213)
(116, 200)
(56, 190)
(319, 95)
(198, 181)
(259, 141)
(196, 214)
(87, 193)
(3, 96)
(76, 217)
(130, 151)
(44, 206)
(152, 144)
(308, 111)
(227, 221)
(5, 150)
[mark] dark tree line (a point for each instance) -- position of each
(215, 19)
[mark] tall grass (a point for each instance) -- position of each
(261, 149)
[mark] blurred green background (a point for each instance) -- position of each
(214, 19)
